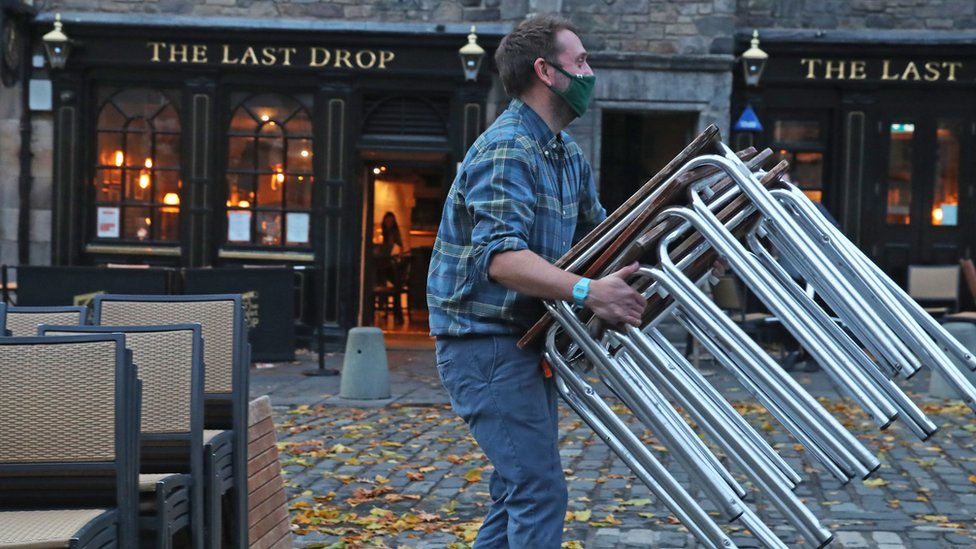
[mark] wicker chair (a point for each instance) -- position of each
(169, 361)
(23, 321)
(226, 356)
(68, 480)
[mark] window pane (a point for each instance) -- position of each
(136, 224)
(300, 124)
(270, 153)
(111, 117)
(166, 182)
(298, 195)
(241, 190)
(168, 120)
(167, 151)
(268, 230)
(109, 148)
(166, 223)
(945, 198)
(299, 156)
(243, 122)
(240, 154)
(108, 185)
(793, 131)
(270, 186)
(900, 168)
(137, 185)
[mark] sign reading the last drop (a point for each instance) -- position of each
(269, 56)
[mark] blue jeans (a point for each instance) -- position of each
(500, 392)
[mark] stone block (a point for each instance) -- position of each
(365, 374)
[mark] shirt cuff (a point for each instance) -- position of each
(507, 244)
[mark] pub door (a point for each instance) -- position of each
(924, 183)
(401, 214)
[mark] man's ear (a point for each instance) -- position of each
(543, 71)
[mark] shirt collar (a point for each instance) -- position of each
(538, 129)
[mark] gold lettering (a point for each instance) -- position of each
(199, 53)
(830, 68)
(885, 74)
(180, 51)
(858, 70)
(342, 56)
(912, 70)
(155, 50)
(932, 71)
(811, 67)
(385, 57)
(359, 59)
(268, 56)
(952, 66)
(227, 60)
(320, 57)
(287, 53)
(249, 57)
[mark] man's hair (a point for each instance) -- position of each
(531, 39)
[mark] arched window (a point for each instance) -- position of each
(269, 171)
(137, 166)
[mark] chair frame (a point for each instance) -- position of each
(3, 319)
(215, 404)
(156, 448)
(46, 481)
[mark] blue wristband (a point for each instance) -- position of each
(580, 291)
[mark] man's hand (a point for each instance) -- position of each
(613, 300)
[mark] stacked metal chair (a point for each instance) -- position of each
(712, 203)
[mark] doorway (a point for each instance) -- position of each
(637, 145)
(924, 185)
(401, 213)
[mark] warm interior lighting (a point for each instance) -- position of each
(149, 163)
(376, 171)
(148, 221)
(119, 159)
(937, 216)
(305, 154)
(243, 204)
(144, 181)
(171, 199)
(265, 118)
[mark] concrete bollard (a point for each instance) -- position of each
(965, 332)
(365, 375)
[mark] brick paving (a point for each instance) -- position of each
(405, 473)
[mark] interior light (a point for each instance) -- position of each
(265, 118)
(171, 199)
(149, 163)
(937, 215)
(144, 181)
(243, 204)
(119, 158)
(376, 171)
(305, 154)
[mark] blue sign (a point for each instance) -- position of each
(748, 122)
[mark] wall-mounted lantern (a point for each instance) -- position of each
(753, 61)
(471, 56)
(57, 45)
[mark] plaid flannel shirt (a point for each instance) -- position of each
(519, 187)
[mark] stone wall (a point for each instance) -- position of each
(635, 26)
(934, 15)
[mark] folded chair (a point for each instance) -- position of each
(23, 321)
(226, 356)
(68, 457)
(3, 319)
(169, 361)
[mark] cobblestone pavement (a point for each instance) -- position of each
(405, 473)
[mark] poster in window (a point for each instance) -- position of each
(297, 228)
(238, 226)
(108, 222)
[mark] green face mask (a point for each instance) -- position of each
(578, 94)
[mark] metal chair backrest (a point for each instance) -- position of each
(3, 319)
(69, 439)
(23, 321)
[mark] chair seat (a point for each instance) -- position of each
(47, 529)
(148, 481)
